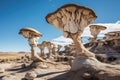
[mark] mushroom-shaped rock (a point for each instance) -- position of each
(95, 30)
(30, 75)
(32, 35)
(27, 32)
(71, 19)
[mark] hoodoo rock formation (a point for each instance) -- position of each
(71, 19)
(32, 35)
(114, 37)
(51, 48)
(95, 30)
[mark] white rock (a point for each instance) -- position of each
(80, 63)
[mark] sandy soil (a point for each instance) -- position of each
(42, 74)
(14, 68)
(11, 55)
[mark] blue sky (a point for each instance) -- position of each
(16, 14)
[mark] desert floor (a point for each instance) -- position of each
(52, 72)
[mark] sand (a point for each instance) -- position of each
(14, 68)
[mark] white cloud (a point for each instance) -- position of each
(110, 27)
(118, 22)
(86, 32)
(62, 41)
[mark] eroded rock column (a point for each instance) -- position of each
(71, 20)
(41, 47)
(33, 36)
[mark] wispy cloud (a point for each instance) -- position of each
(62, 41)
(110, 27)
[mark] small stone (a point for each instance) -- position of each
(30, 75)
(86, 75)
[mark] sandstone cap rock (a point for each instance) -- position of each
(31, 31)
(98, 27)
(71, 18)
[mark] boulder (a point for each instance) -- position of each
(91, 69)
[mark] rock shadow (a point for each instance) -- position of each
(51, 73)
